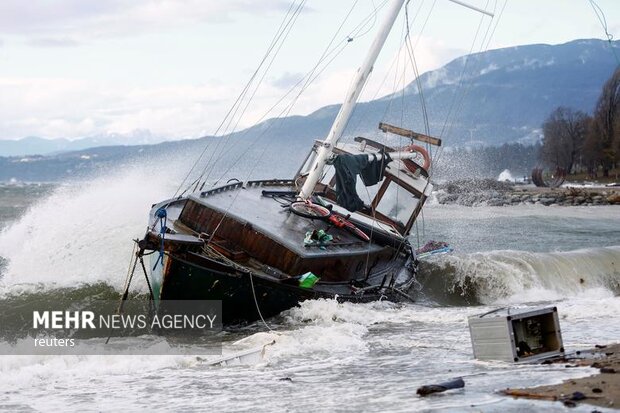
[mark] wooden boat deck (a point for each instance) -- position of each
(245, 226)
(267, 216)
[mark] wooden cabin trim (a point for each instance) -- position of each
(386, 127)
(336, 264)
(381, 192)
(416, 212)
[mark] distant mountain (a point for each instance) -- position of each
(33, 145)
(489, 98)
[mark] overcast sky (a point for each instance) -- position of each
(74, 68)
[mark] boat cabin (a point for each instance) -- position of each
(246, 226)
(393, 204)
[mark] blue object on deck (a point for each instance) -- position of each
(163, 219)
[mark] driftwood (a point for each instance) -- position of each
(528, 395)
(457, 383)
(574, 397)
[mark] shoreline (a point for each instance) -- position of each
(600, 389)
(486, 192)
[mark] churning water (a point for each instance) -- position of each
(75, 242)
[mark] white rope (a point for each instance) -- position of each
(257, 307)
(215, 253)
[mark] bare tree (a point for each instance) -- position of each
(565, 131)
(604, 137)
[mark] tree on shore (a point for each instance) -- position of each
(603, 141)
(573, 139)
(564, 132)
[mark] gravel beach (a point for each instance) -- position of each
(487, 192)
(601, 389)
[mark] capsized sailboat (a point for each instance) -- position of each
(262, 246)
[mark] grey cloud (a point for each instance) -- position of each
(287, 80)
(17, 16)
(80, 18)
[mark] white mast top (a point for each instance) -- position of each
(351, 99)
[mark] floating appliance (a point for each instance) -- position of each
(516, 335)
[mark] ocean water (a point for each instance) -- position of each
(68, 242)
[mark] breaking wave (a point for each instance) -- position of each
(519, 276)
(81, 234)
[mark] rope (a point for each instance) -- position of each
(409, 48)
(257, 307)
(235, 104)
(215, 253)
(307, 80)
(131, 269)
(484, 47)
(148, 284)
(146, 277)
(211, 166)
(601, 18)
(311, 76)
(129, 275)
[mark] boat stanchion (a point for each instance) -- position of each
(137, 255)
(130, 272)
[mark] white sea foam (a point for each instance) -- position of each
(505, 175)
(82, 232)
(519, 276)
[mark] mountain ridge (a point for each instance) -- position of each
(510, 91)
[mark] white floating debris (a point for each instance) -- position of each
(251, 356)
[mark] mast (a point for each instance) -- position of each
(347, 107)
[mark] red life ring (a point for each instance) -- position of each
(421, 151)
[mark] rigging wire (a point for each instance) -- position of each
(416, 72)
(283, 31)
(428, 16)
(600, 15)
(277, 122)
(395, 62)
(484, 45)
(249, 101)
(462, 77)
(287, 110)
(278, 45)
(238, 99)
(307, 80)
(476, 68)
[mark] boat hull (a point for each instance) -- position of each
(246, 296)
